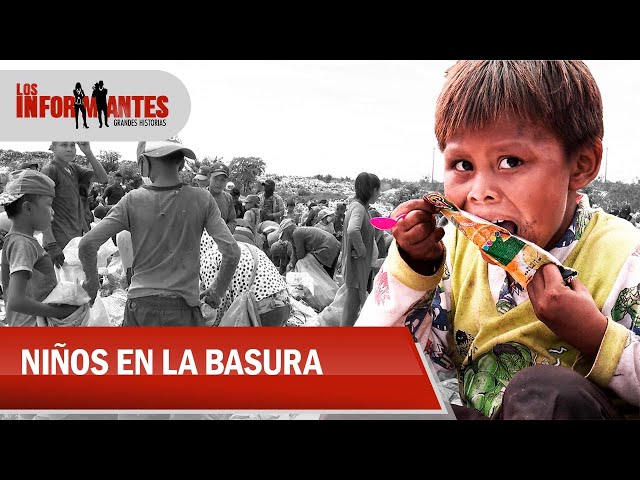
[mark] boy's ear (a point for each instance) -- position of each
(586, 165)
(144, 166)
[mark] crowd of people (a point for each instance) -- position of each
(271, 231)
(515, 154)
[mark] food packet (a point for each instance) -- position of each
(519, 257)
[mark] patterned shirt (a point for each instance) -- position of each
(398, 299)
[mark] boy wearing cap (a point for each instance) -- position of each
(166, 220)
(324, 221)
(27, 270)
(217, 188)
(68, 221)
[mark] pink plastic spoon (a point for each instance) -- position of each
(385, 223)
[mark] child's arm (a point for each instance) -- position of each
(91, 242)
(569, 311)
(17, 301)
(99, 173)
(610, 350)
(402, 295)
(218, 230)
(403, 298)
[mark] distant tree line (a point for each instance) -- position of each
(244, 171)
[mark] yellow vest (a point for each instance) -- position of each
(478, 327)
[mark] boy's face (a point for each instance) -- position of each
(41, 213)
(218, 183)
(64, 151)
(514, 173)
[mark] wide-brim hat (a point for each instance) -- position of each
(163, 148)
(323, 214)
(23, 182)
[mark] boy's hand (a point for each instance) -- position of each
(210, 298)
(91, 286)
(55, 252)
(85, 147)
(568, 310)
(418, 236)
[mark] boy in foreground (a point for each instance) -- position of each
(520, 139)
(28, 276)
(166, 220)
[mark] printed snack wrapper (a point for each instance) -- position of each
(519, 257)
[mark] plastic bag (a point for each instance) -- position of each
(301, 281)
(301, 314)
(115, 305)
(69, 293)
(98, 316)
(332, 315)
(72, 267)
(243, 312)
(324, 288)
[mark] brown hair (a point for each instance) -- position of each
(560, 95)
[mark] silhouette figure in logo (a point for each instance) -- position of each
(100, 94)
(78, 105)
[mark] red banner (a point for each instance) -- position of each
(186, 368)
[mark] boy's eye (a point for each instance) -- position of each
(462, 165)
(510, 162)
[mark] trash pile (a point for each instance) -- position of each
(316, 299)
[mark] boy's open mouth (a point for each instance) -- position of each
(507, 225)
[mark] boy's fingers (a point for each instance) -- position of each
(551, 274)
(415, 204)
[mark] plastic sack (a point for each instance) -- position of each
(324, 288)
(116, 268)
(243, 312)
(332, 315)
(301, 281)
(72, 267)
(71, 252)
(98, 316)
(69, 293)
(115, 304)
(301, 314)
(125, 248)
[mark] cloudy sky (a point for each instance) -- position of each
(305, 117)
